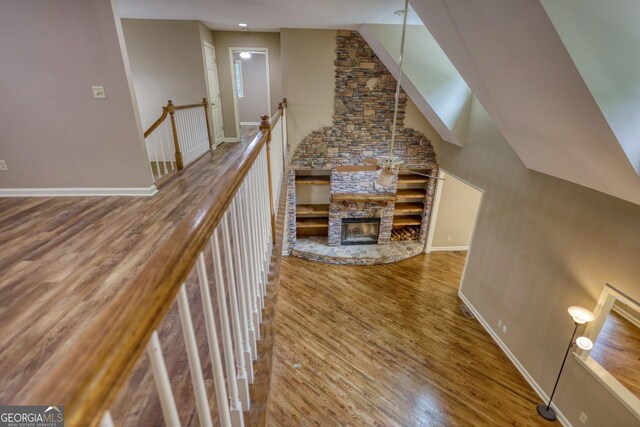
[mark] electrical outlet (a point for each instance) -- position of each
(449, 239)
(3, 166)
(499, 324)
(98, 92)
(583, 418)
(504, 329)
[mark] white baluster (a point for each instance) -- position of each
(168, 139)
(248, 236)
(227, 345)
(265, 210)
(212, 341)
(241, 281)
(107, 420)
(187, 132)
(163, 385)
(195, 368)
(243, 385)
(155, 152)
(259, 188)
(255, 223)
(164, 159)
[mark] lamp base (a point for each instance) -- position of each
(547, 414)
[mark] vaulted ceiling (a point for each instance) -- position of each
(560, 79)
(268, 15)
(513, 59)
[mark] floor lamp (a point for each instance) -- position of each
(580, 316)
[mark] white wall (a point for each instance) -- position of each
(455, 214)
(307, 56)
(166, 62)
(256, 97)
(53, 133)
(542, 244)
(247, 39)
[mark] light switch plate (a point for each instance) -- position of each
(3, 166)
(98, 92)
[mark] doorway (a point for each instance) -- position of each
(213, 86)
(455, 210)
(251, 86)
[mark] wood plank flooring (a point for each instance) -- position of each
(617, 349)
(387, 345)
(63, 258)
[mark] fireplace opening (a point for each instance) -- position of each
(360, 231)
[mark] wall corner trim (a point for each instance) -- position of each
(539, 391)
(77, 192)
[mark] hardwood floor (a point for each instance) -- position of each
(63, 258)
(388, 345)
(617, 349)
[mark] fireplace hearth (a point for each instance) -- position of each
(360, 231)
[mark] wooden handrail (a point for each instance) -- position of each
(93, 371)
(157, 122)
(165, 112)
(186, 107)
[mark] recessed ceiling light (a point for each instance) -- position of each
(242, 25)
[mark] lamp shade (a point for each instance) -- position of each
(580, 314)
(584, 343)
(385, 178)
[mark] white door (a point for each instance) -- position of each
(214, 93)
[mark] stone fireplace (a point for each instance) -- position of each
(360, 231)
(355, 196)
(333, 199)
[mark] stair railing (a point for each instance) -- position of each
(174, 144)
(230, 232)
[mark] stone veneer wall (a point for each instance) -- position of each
(361, 129)
(361, 182)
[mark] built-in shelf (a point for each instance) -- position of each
(312, 222)
(408, 208)
(312, 210)
(317, 180)
(368, 197)
(412, 179)
(411, 193)
(403, 221)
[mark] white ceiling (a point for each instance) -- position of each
(269, 15)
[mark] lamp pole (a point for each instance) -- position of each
(546, 411)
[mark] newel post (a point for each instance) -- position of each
(206, 118)
(172, 113)
(265, 126)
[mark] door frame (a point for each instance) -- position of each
(206, 44)
(233, 82)
(428, 248)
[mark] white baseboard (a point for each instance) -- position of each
(449, 248)
(230, 140)
(249, 123)
(543, 396)
(67, 192)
